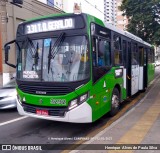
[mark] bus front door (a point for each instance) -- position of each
(141, 68)
(145, 69)
(128, 68)
(134, 69)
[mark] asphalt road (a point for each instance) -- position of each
(15, 129)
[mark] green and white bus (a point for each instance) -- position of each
(75, 68)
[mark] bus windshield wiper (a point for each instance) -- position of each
(35, 54)
(53, 50)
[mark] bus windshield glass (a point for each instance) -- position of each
(61, 59)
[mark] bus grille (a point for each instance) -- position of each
(44, 90)
(51, 111)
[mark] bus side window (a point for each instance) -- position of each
(125, 52)
(141, 56)
(94, 40)
(103, 53)
(117, 50)
(150, 56)
(135, 57)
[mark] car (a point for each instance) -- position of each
(8, 95)
(157, 63)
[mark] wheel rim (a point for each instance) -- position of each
(115, 102)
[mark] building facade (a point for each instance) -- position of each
(11, 16)
(122, 21)
(110, 8)
(113, 14)
(54, 3)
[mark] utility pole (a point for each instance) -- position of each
(0, 52)
(3, 30)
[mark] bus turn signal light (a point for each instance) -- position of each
(97, 103)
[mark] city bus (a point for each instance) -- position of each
(75, 68)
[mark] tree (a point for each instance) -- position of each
(144, 19)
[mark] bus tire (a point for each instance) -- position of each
(115, 102)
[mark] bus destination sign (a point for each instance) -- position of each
(49, 25)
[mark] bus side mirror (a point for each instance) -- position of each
(6, 49)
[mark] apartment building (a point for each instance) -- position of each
(122, 21)
(110, 7)
(113, 14)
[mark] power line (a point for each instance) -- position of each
(94, 7)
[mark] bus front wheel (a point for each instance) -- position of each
(115, 102)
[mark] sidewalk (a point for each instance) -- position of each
(141, 125)
(6, 77)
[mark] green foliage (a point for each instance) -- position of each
(144, 19)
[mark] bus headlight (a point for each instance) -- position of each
(74, 103)
(83, 98)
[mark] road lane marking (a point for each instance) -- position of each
(14, 120)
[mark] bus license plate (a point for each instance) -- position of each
(42, 112)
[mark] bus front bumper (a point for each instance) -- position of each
(80, 114)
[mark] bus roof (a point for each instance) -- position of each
(126, 33)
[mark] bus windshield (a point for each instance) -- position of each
(61, 59)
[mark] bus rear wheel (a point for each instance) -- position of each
(115, 102)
